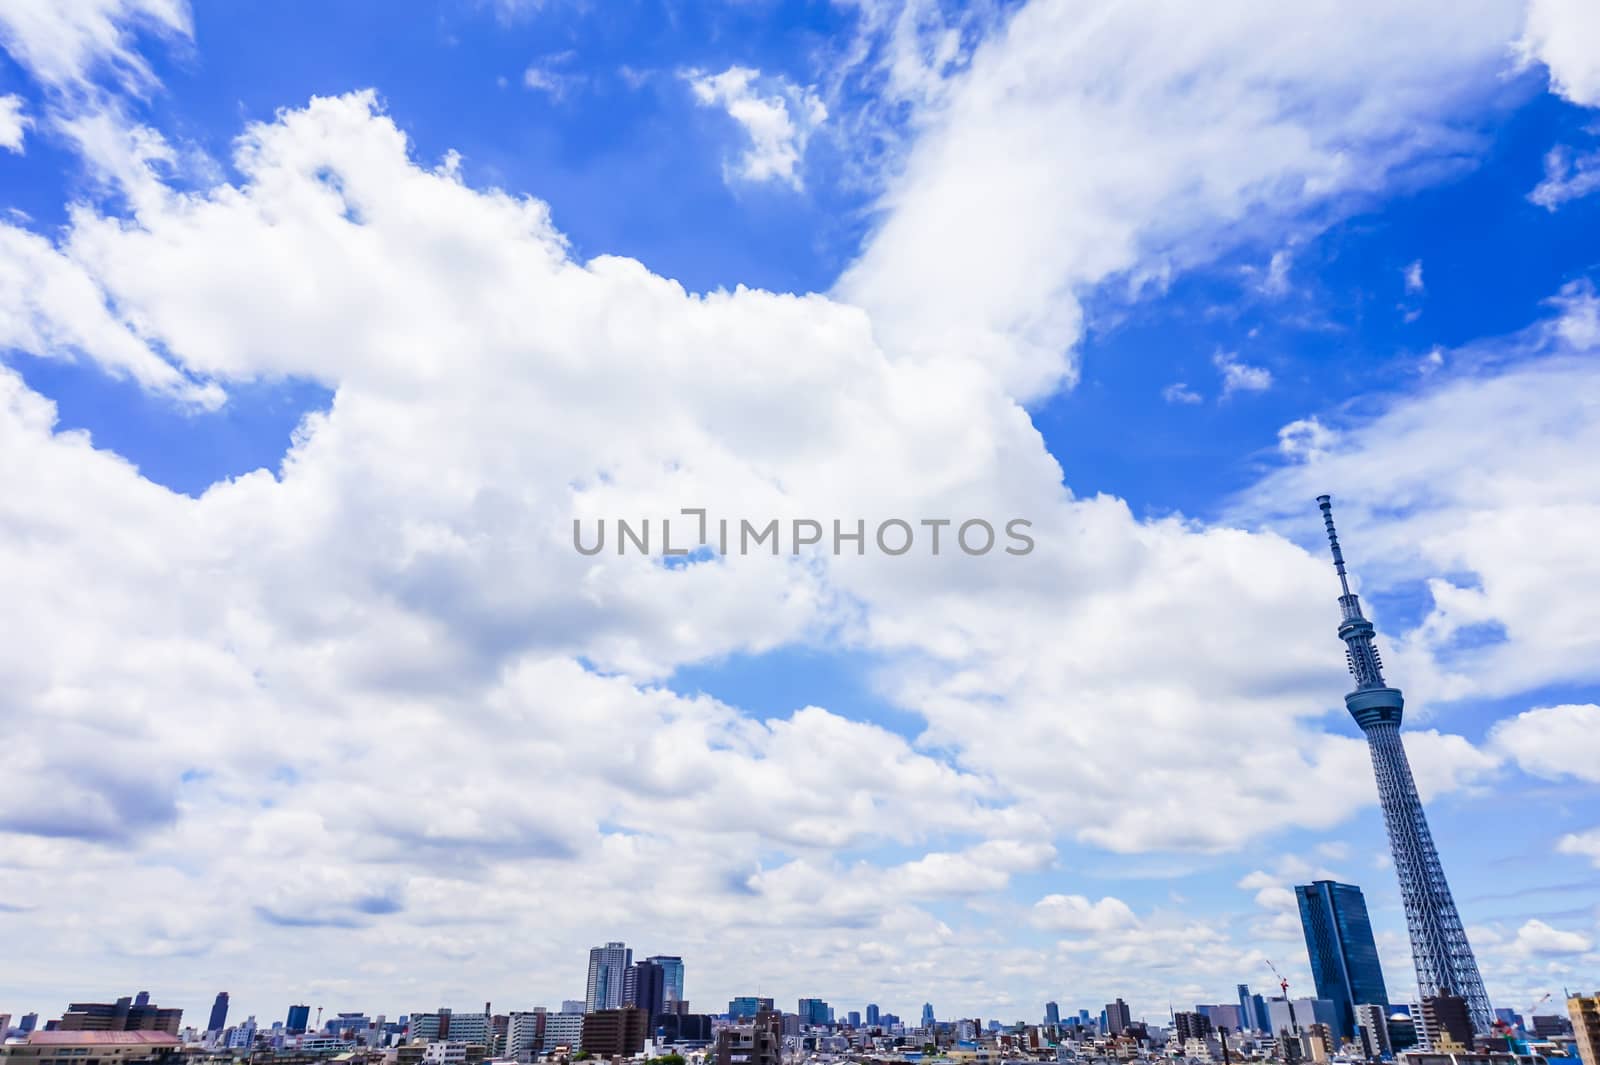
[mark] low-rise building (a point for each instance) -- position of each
(92, 1048)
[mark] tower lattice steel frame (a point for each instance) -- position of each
(1439, 946)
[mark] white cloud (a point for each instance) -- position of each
(1553, 741)
(1565, 36)
(549, 77)
(1240, 376)
(1179, 392)
(1413, 276)
(1075, 913)
(1537, 938)
(1306, 439)
(1566, 177)
(777, 116)
(1085, 142)
(1275, 282)
(1483, 475)
(65, 45)
(1584, 844)
(14, 123)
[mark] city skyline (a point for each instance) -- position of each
(322, 328)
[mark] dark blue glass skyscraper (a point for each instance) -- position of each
(1344, 956)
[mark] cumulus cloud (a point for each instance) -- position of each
(1075, 913)
(1584, 844)
(1305, 439)
(1537, 938)
(1413, 277)
(1564, 35)
(777, 116)
(1553, 741)
(1240, 376)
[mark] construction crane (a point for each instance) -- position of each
(1283, 985)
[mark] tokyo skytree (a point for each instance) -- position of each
(1439, 946)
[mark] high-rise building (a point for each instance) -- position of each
(747, 1006)
(299, 1020)
(608, 973)
(1342, 951)
(1117, 1017)
(219, 1013)
(134, 1014)
(854, 1017)
(1445, 1024)
(1584, 1012)
(615, 1033)
(1253, 1011)
(872, 1015)
(672, 970)
(1372, 1029)
(813, 1011)
(646, 988)
(1187, 1026)
(1439, 947)
(1052, 1014)
(927, 1015)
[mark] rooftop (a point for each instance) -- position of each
(102, 1039)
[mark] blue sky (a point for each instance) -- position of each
(324, 641)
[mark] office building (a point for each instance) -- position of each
(615, 1033)
(1340, 947)
(1584, 1012)
(646, 987)
(608, 976)
(1116, 1017)
(1372, 1029)
(219, 1013)
(1549, 1026)
(1444, 1024)
(572, 1005)
(28, 1023)
(927, 1015)
(747, 1006)
(758, 1041)
(691, 1028)
(1439, 949)
(854, 1017)
(1222, 1016)
(672, 973)
(872, 1015)
(134, 1014)
(1052, 1014)
(1187, 1026)
(299, 1020)
(813, 1011)
(564, 1029)
(525, 1033)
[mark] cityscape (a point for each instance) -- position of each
(640, 1010)
(799, 532)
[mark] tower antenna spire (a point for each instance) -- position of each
(1326, 503)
